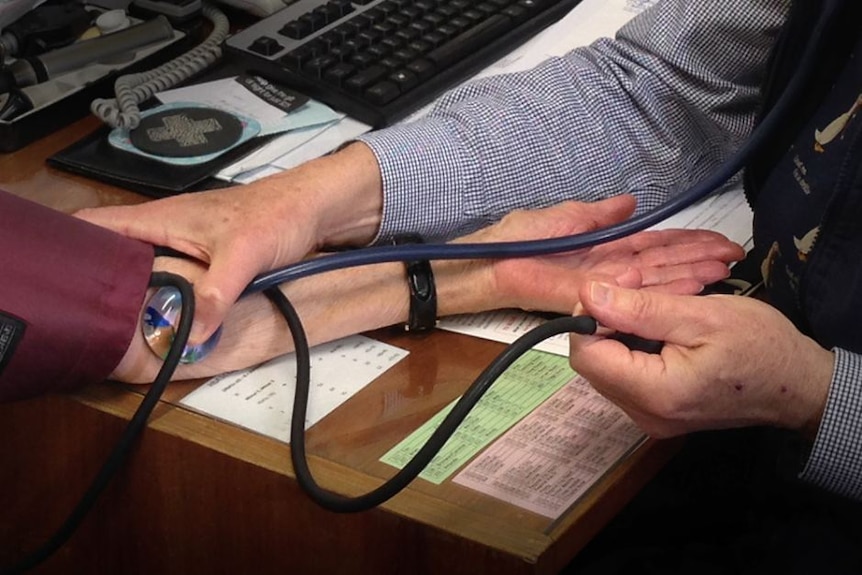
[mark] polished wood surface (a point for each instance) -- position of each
(202, 496)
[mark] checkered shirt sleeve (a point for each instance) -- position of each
(649, 112)
(835, 462)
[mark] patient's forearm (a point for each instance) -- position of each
(331, 305)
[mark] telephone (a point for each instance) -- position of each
(261, 8)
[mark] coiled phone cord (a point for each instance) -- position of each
(132, 89)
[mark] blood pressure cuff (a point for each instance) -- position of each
(70, 298)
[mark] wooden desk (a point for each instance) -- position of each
(200, 496)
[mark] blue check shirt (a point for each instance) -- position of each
(649, 112)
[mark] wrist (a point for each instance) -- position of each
(464, 286)
(352, 196)
(819, 380)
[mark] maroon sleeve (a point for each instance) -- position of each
(70, 298)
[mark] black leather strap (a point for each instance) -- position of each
(423, 293)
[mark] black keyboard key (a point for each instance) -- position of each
(365, 78)
(422, 68)
(363, 60)
(407, 34)
(411, 13)
(343, 7)
(457, 48)
(404, 79)
(384, 28)
(474, 16)
(487, 8)
(534, 5)
(448, 11)
(434, 19)
(382, 93)
(447, 30)
(405, 55)
(296, 59)
(379, 51)
(338, 73)
(389, 8)
(421, 27)
(266, 46)
(331, 12)
(419, 46)
(516, 13)
(398, 20)
(343, 52)
(434, 39)
(297, 29)
(461, 24)
(391, 63)
(318, 65)
(375, 15)
(392, 42)
(358, 42)
(315, 19)
(425, 6)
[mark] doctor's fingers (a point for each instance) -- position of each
(681, 319)
(231, 268)
(191, 223)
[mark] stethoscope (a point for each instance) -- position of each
(268, 283)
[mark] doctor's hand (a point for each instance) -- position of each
(728, 361)
(674, 261)
(242, 231)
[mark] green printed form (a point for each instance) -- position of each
(532, 379)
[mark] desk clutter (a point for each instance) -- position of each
(57, 57)
(303, 65)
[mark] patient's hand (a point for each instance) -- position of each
(673, 261)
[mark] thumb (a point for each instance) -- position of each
(649, 314)
(215, 293)
(603, 213)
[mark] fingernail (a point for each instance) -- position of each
(600, 293)
(196, 336)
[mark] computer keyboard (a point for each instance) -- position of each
(380, 60)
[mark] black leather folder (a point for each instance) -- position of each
(95, 158)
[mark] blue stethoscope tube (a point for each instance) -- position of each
(380, 254)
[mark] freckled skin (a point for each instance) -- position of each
(711, 343)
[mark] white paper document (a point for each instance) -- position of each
(261, 398)
(726, 212)
(551, 457)
(504, 326)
